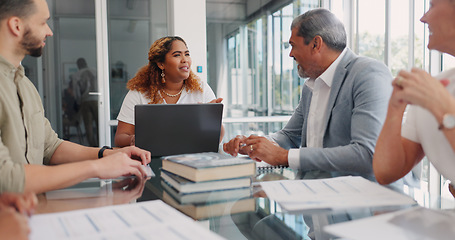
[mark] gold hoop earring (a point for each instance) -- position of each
(163, 80)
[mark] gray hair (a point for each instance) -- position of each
(321, 22)
(18, 8)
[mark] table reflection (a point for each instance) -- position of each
(92, 193)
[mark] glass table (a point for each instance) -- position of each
(254, 217)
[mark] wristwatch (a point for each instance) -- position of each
(101, 151)
(448, 121)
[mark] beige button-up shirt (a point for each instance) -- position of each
(25, 133)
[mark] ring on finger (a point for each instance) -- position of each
(251, 147)
(399, 81)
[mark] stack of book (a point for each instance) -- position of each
(197, 182)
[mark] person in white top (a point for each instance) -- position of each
(166, 79)
(429, 126)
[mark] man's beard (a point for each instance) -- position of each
(31, 45)
(301, 72)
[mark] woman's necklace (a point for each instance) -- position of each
(173, 95)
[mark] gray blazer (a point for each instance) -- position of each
(356, 111)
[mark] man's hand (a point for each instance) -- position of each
(119, 164)
(262, 149)
(132, 152)
(23, 203)
(234, 146)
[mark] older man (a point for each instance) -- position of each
(344, 101)
(27, 139)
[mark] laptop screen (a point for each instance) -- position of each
(168, 129)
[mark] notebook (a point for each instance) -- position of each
(169, 129)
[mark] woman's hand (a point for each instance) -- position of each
(420, 88)
(217, 100)
(133, 140)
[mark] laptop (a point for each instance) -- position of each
(169, 129)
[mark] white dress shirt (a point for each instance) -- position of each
(320, 87)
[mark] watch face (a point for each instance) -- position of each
(448, 121)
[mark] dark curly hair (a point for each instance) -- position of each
(148, 79)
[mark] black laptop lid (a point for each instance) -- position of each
(168, 129)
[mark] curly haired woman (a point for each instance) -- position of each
(166, 79)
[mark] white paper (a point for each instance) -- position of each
(145, 220)
(148, 170)
(411, 224)
(331, 193)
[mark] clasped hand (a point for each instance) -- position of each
(13, 210)
(417, 87)
(257, 148)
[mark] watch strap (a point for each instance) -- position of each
(448, 122)
(101, 151)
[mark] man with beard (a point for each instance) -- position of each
(334, 128)
(32, 157)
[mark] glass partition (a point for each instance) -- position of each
(132, 27)
(76, 70)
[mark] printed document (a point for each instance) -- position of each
(410, 224)
(332, 193)
(144, 220)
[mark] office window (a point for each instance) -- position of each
(399, 35)
(336, 6)
(257, 69)
(285, 89)
(262, 80)
(234, 74)
(266, 70)
(420, 50)
(371, 28)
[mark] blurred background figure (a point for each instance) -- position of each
(85, 89)
(71, 114)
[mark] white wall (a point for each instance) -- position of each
(187, 20)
